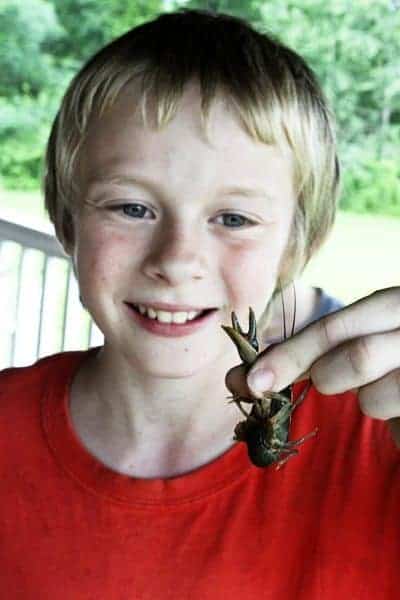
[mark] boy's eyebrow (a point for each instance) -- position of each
(248, 192)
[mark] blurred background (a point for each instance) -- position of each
(353, 46)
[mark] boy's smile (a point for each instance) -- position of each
(170, 324)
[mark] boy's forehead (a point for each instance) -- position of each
(118, 139)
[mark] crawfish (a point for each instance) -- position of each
(266, 428)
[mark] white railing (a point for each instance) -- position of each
(40, 311)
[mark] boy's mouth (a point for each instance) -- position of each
(157, 327)
(203, 313)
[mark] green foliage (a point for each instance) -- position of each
(374, 187)
(24, 128)
(358, 67)
(352, 46)
(251, 11)
(25, 67)
(126, 15)
(85, 24)
(90, 24)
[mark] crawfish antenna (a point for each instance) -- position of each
(294, 309)
(283, 310)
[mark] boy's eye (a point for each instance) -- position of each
(130, 210)
(232, 220)
(236, 220)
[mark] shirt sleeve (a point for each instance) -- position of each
(326, 304)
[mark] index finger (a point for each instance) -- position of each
(292, 359)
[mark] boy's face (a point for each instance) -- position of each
(187, 237)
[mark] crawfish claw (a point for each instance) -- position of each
(246, 343)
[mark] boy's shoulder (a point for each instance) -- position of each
(16, 375)
(31, 379)
(22, 391)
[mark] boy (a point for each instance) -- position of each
(190, 169)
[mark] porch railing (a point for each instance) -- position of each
(40, 310)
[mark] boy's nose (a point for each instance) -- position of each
(177, 257)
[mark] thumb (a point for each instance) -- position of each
(236, 381)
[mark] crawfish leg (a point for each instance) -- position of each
(237, 400)
(283, 414)
(302, 395)
(290, 453)
(302, 439)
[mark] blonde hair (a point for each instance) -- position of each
(275, 93)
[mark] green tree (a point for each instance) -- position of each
(126, 15)
(26, 28)
(28, 74)
(86, 27)
(353, 47)
(250, 11)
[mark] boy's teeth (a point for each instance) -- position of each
(168, 317)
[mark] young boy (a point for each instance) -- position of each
(191, 170)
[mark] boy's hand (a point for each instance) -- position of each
(356, 348)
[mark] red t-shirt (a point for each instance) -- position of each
(326, 526)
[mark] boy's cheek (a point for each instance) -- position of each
(97, 248)
(252, 280)
(98, 271)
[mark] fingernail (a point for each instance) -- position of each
(260, 380)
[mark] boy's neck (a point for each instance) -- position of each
(134, 444)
